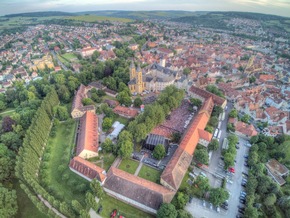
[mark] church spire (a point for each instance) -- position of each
(132, 65)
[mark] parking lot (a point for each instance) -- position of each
(215, 172)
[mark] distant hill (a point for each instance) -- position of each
(41, 14)
(218, 19)
(140, 15)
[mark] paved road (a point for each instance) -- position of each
(58, 61)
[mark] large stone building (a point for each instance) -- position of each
(155, 78)
(78, 109)
(87, 136)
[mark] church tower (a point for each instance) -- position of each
(139, 82)
(132, 71)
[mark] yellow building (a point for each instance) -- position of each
(136, 84)
(39, 64)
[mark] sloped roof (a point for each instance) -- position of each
(87, 169)
(176, 168)
(205, 94)
(204, 135)
(138, 189)
(77, 102)
(125, 111)
(248, 130)
(88, 133)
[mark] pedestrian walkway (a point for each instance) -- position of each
(139, 167)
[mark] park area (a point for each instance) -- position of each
(104, 160)
(150, 174)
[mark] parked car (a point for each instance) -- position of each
(224, 207)
(242, 198)
(203, 203)
(237, 147)
(232, 170)
(210, 206)
(225, 203)
(242, 201)
(246, 164)
(218, 209)
(245, 174)
(241, 211)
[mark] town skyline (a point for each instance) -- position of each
(280, 7)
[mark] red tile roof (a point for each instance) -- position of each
(87, 169)
(137, 189)
(125, 111)
(88, 133)
(205, 94)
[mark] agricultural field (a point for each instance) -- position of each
(95, 18)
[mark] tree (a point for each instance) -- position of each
(202, 183)
(107, 145)
(213, 121)
(97, 188)
(210, 129)
(217, 110)
(77, 206)
(2, 105)
(251, 212)
(107, 123)
(8, 202)
(140, 132)
(126, 149)
(138, 102)
(196, 102)
(183, 214)
(159, 152)
(231, 127)
(217, 196)
(167, 210)
(270, 199)
(87, 101)
(61, 113)
(6, 163)
(124, 98)
(233, 113)
(201, 156)
(229, 159)
(186, 71)
(96, 98)
(246, 118)
(213, 145)
(7, 124)
(11, 140)
(181, 200)
(252, 79)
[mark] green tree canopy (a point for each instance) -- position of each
(213, 145)
(201, 156)
(217, 196)
(8, 203)
(167, 210)
(138, 102)
(159, 152)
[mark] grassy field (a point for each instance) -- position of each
(103, 160)
(109, 204)
(26, 208)
(60, 149)
(129, 166)
(184, 181)
(70, 56)
(62, 60)
(150, 174)
(94, 18)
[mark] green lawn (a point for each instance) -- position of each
(7, 112)
(129, 165)
(109, 204)
(94, 18)
(122, 120)
(109, 98)
(69, 56)
(26, 208)
(150, 174)
(66, 184)
(184, 181)
(103, 160)
(62, 59)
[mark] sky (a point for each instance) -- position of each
(277, 7)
